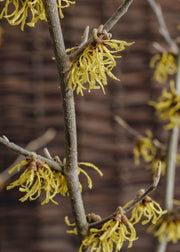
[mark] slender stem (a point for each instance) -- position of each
(70, 170)
(24, 152)
(122, 9)
(117, 15)
(151, 188)
(136, 134)
(162, 25)
(170, 167)
(33, 145)
(161, 246)
(127, 127)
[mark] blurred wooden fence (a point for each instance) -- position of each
(30, 103)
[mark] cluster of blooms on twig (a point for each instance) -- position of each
(168, 106)
(38, 177)
(164, 64)
(94, 64)
(145, 148)
(169, 226)
(21, 9)
(145, 208)
(151, 153)
(112, 234)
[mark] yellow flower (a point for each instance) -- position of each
(151, 153)
(147, 208)
(110, 236)
(164, 64)
(145, 148)
(22, 8)
(80, 170)
(73, 231)
(168, 225)
(94, 64)
(168, 106)
(38, 176)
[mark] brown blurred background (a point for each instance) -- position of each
(30, 103)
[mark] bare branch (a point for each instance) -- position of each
(162, 25)
(107, 26)
(170, 167)
(127, 127)
(32, 146)
(26, 153)
(134, 202)
(171, 155)
(149, 190)
(117, 15)
(159, 47)
(70, 169)
(47, 153)
(85, 36)
(136, 134)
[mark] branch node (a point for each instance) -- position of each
(5, 138)
(157, 175)
(47, 154)
(85, 35)
(100, 34)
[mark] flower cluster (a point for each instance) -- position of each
(38, 177)
(22, 9)
(164, 64)
(146, 148)
(111, 235)
(168, 225)
(168, 106)
(94, 64)
(147, 208)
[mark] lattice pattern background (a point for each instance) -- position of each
(30, 103)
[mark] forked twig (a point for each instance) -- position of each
(152, 187)
(22, 151)
(107, 26)
(127, 127)
(162, 25)
(136, 134)
(33, 145)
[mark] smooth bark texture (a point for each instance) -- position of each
(24, 152)
(170, 167)
(70, 169)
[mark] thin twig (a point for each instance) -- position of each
(107, 26)
(117, 15)
(136, 134)
(34, 145)
(127, 127)
(70, 170)
(134, 202)
(170, 167)
(16, 148)
(162, 25)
